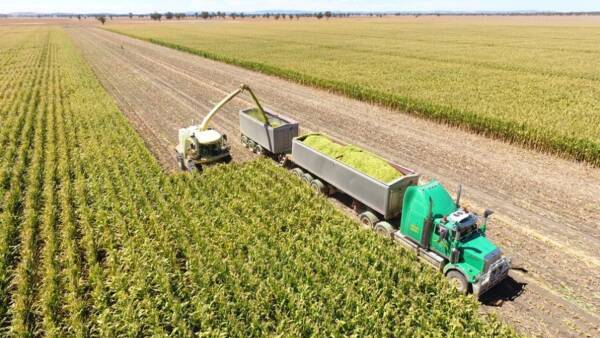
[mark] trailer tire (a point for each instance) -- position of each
(251, 145)
(259, 150)
(384, 229)
(297, 172)
(244, 140)
(459, 281)
(368, 219)
(307, 178)
(319, 187)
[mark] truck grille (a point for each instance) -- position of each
(491, 258)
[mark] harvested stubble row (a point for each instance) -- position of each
(534, 84)
(97, 240)
(359, 159)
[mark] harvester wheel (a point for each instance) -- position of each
(180, 162)
(307, 178)
(368, 219)
(384, 229)
(318, 186)
(459, 281)
(297, 172)
(191, 166)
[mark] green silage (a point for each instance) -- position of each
(354, 157)
(257, 115)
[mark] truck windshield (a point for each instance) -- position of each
(467, 227)
(464, 233)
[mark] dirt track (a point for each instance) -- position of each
(547, 209)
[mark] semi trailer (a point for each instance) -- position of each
(421, 217)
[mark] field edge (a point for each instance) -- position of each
(573, 148)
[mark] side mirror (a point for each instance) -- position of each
(486, 214)
(458, 195)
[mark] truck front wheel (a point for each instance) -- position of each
(459, 281)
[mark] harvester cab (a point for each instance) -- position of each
(200, 145)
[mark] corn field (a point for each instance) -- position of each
(97, 240)
(521, 80)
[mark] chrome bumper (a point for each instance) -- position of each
(496, 274)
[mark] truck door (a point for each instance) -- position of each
(439, 245)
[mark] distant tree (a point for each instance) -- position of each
(101, 18)
(179, 16)
(79, 17)
(156, 16)
(130, 15)
(233, 15)
(168, 15)
(242, 15)
(319, 15)
(297, 16)
(328, 14)
(277, 16)
(204, 15)
(196, 15)
(267, 15)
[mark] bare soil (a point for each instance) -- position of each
(547, 208)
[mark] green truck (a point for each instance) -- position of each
(449, 237)
(423, 218)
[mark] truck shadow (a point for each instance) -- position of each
(508, 290)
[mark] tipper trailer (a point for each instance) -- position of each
(423, 218)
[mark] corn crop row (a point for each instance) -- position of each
(97, 240)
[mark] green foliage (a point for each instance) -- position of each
(359, 159)
(258, 115)
(97, 240)
(537, 88)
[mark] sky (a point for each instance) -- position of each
(146, 6)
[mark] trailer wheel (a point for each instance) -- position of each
(318, 187)
(307, 178)
(244, 140)
(251, 145)
(259, 150)
(281, 160)
(297, 172)
(458, 280)
(384, 229)
(368, 219)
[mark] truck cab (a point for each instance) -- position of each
(451, 238)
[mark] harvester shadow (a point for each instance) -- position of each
(508, 290)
